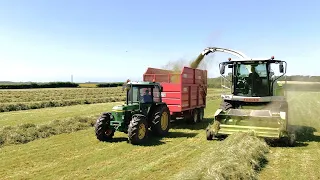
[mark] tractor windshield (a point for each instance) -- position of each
(251, 80)
(143, 94)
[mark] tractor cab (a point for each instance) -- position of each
(253, 78)
(143, 95)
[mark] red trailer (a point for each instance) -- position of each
(184, 92)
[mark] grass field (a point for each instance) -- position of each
(24, 99)
(14, 100)
(80, 155)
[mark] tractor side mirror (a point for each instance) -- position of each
(281, 69)
(230, 65)
(222, 69)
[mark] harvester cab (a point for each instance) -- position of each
(255, 103)
(142, 110)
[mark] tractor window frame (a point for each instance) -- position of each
(137, 92)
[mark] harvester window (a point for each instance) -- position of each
(251, 80)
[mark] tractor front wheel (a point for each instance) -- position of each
(161, 121)
(138, 129)
(102, 127)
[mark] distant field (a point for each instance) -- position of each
(298, 82)
(88, 85)
(23, 99)
(13, 100)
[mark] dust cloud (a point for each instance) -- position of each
(200, 62)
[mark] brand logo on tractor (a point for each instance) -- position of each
(163, 94)
(251, 99)
(185, 75)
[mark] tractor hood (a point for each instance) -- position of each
(125, 107)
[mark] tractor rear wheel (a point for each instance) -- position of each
(138, 130)
(102, 127)
(161, 121)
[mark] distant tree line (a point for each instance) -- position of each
(212, 83)
(38, 85)
(114, 84)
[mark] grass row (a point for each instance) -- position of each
(28, 132)
(239, 156)
(57, 94)
(6, 107)
(44, 98)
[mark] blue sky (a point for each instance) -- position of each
(42, 40)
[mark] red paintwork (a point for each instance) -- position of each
(183, 91)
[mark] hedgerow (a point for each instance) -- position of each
(38, 85)
(116, 84)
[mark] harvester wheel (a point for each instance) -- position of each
(137, 130)
(102, 127)
(225, 105)
(291, 140)
(209, 134)
(161, 121)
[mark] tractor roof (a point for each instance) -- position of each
(249, 61)
(142, 83)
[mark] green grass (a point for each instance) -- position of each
(88, 85)
(80, 155)
(40, 116)
(15, 100)
(302, 162)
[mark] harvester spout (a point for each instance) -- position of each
(209, 50)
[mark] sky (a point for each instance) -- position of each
(100, 40)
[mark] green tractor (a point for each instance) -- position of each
(142, 110)
(255, 103)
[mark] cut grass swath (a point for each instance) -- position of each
(239, 156)
(25, 133)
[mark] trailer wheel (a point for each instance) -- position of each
(201, 114)
(161, 121)
(193, 117)
(137, 130)
(102, 127)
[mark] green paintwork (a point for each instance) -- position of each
(263, 126)
(122, 114)
(263, 119)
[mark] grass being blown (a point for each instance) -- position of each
(239, 156)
